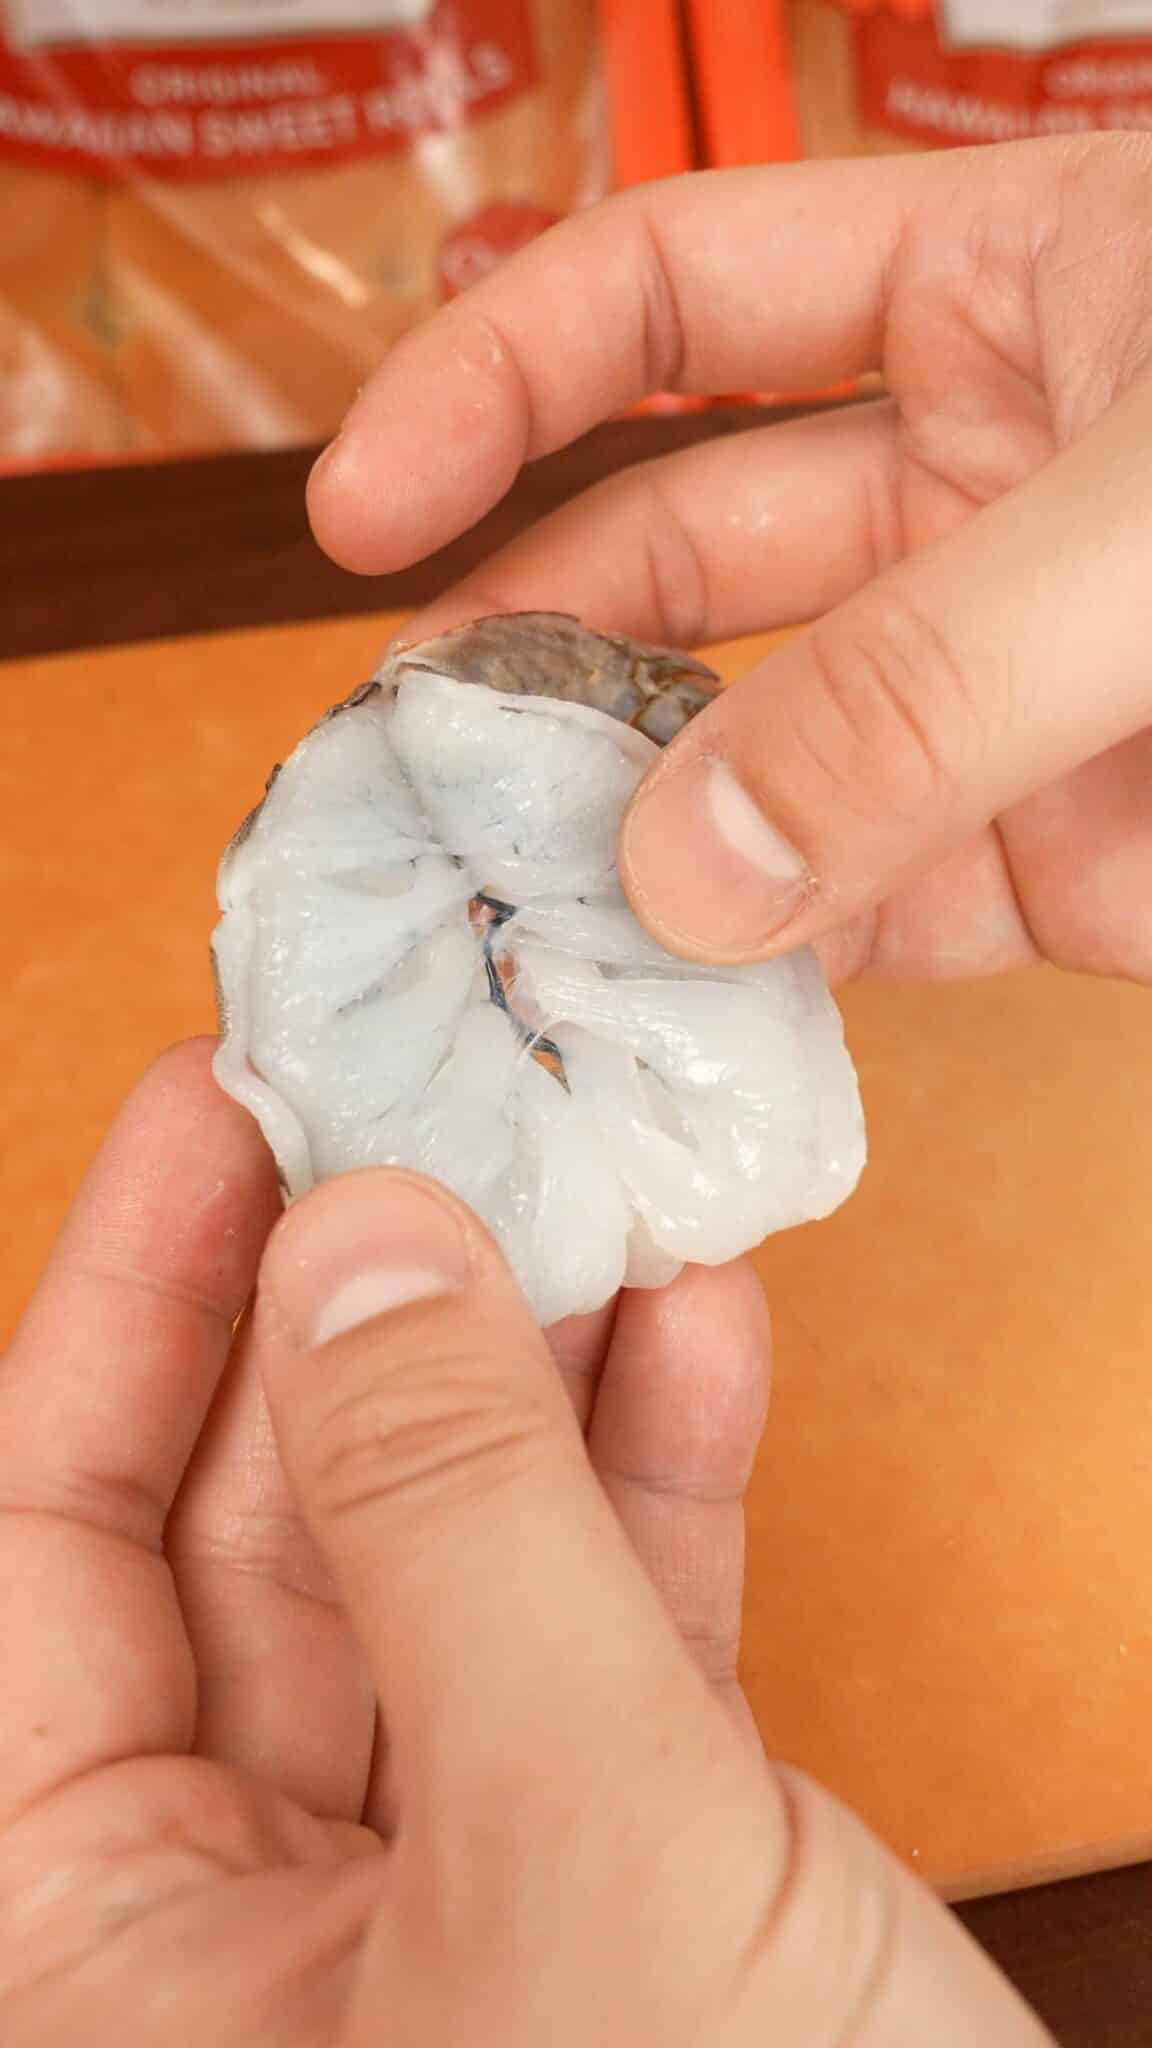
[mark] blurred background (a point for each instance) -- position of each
(215, 215)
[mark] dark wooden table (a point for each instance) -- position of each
(97, 557)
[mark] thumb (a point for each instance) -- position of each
(548, 1735)
(436, 1458)
(587, 1849)
(954, 685)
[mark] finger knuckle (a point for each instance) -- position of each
(829, 1882)
(715, 1648)
(448, 1430)
(1103, 168)
(663, 333)
(105, 1500)
(893, 721)
(270, 1547)
(677, 571)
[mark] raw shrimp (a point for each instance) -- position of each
(425, 959)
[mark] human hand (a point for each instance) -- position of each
(948, 772)
(188, 1723)
(411, 1751)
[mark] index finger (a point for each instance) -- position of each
(723, 281)
(102, 1396)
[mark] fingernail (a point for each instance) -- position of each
(705, 867)
(326, 459)
(364, 1249)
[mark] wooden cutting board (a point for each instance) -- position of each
(950, 1587)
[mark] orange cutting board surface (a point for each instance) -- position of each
(950, 1579)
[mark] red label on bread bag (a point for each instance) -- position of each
(479, 244)
(968, 71)
(228, 88)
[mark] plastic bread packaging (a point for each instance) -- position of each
(210, 230)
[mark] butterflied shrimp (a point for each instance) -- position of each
(425, 959)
